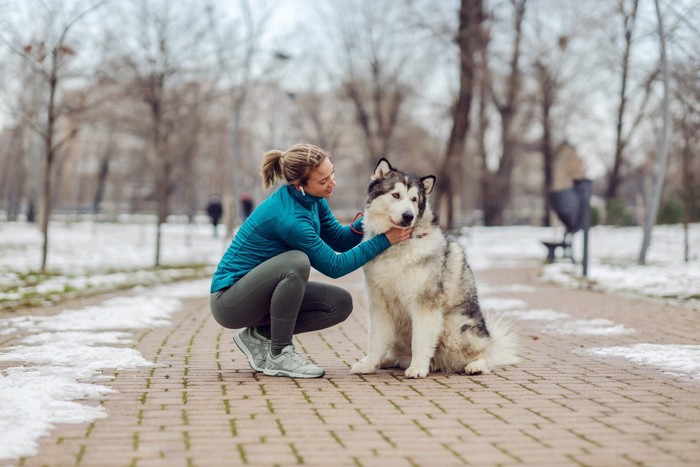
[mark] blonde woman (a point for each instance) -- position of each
(262, 282)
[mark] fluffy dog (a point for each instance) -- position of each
(424, 308)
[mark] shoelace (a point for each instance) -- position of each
(300, 359)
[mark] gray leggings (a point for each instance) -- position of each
(277, 295)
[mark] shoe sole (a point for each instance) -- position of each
(244, 349)
(288, 374)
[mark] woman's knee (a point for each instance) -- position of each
(343, 305)
(298, 264)
(221, 313)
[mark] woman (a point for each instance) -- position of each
(262, 282)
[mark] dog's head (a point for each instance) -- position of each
(396, 198)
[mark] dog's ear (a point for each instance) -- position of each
(382, 169)
(428, 183)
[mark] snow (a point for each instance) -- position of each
(613, 253)
(89, 256)
(589, 327)
(677, 360)
(58, 362)
(538, 315)
(501, 304)
(116, 313)
(63, 356)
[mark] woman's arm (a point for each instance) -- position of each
(301, 236)
(340, 238)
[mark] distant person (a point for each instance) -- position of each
(246, 205)
(215, 210)
(31, 213)
(262, 282)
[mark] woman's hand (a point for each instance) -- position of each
(396, 235)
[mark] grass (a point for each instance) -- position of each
(20, 290)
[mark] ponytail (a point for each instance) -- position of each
(272, 168)
(293, 166)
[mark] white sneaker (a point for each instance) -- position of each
(254, 346)
(291, 364)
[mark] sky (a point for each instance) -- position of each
(592, 130)
(57, 361)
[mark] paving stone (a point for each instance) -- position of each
(205, 407)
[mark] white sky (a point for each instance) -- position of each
(592, 131)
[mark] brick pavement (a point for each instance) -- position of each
(204, 407)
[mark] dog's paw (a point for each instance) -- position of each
(477, 367)
(416, 372)
(364, 367)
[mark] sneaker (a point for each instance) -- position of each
(254, 346)
(291, 364)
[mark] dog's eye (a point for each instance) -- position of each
(414, 199)
(396, 195)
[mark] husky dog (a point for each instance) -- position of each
(424, 309)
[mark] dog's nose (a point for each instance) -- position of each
(407, 217)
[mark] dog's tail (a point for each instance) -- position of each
(503, 348)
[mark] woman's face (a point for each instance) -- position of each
(321, 180)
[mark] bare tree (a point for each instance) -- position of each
(373, 72)
(102, 174)
(238, 52)
(548, 88)
(19, 184)
(469, 40)
(49, 57)
(325, 126)
(690, 131)
(683, 35)
(496, 185)
(553, 74)
(661, 163)
(158, 56)
(13, 177)
(629, 17)
(187, 127)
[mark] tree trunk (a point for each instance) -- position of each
(14, 175)
(547, 91)
(687, 193)
(49, 158)
(496, 189)
(662, 151)
(102, 175)
(451, 170)
(162, 170)
(615, 177)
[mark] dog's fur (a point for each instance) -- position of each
(424, 309)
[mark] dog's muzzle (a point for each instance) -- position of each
(406, 219)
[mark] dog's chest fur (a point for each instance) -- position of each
(414, 271)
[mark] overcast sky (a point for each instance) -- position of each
(297, 29)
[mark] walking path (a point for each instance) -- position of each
(203, 406)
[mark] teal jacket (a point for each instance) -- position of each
(288, 220)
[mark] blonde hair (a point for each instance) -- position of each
(293, 165)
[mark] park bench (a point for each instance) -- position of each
(572, 207)
(564, 244)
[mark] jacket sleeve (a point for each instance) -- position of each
(301, 236)
(338, 237)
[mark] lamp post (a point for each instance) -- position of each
(584, 189)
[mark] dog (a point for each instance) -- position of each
(424, 307)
